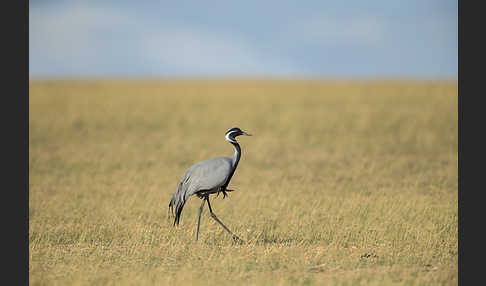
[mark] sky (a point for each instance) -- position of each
(390, 38)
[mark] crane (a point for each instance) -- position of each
(207, 177)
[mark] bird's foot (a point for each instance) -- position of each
(236, 239)
(225, 193)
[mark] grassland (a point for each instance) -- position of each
(343, 182)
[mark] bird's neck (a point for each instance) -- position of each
(237, 155)
(236, 159)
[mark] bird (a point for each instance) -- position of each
(207, 177)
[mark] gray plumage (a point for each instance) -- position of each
(207, 177)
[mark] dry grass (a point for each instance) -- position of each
(343, 183)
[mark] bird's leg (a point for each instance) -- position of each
(216, 219)
(199, 217)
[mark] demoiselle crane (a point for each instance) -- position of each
(207, 177)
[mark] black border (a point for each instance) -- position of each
(460, 80)
(15, 142)
(471, 163)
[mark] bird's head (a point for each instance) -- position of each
(233, 132)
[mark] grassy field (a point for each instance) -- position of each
(343, 182)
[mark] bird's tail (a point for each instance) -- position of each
(177, 201)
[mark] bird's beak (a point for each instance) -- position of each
(244, 133)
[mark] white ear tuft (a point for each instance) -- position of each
(231, 138)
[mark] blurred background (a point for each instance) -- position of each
(412, 39)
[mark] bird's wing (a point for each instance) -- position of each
(207, 175)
